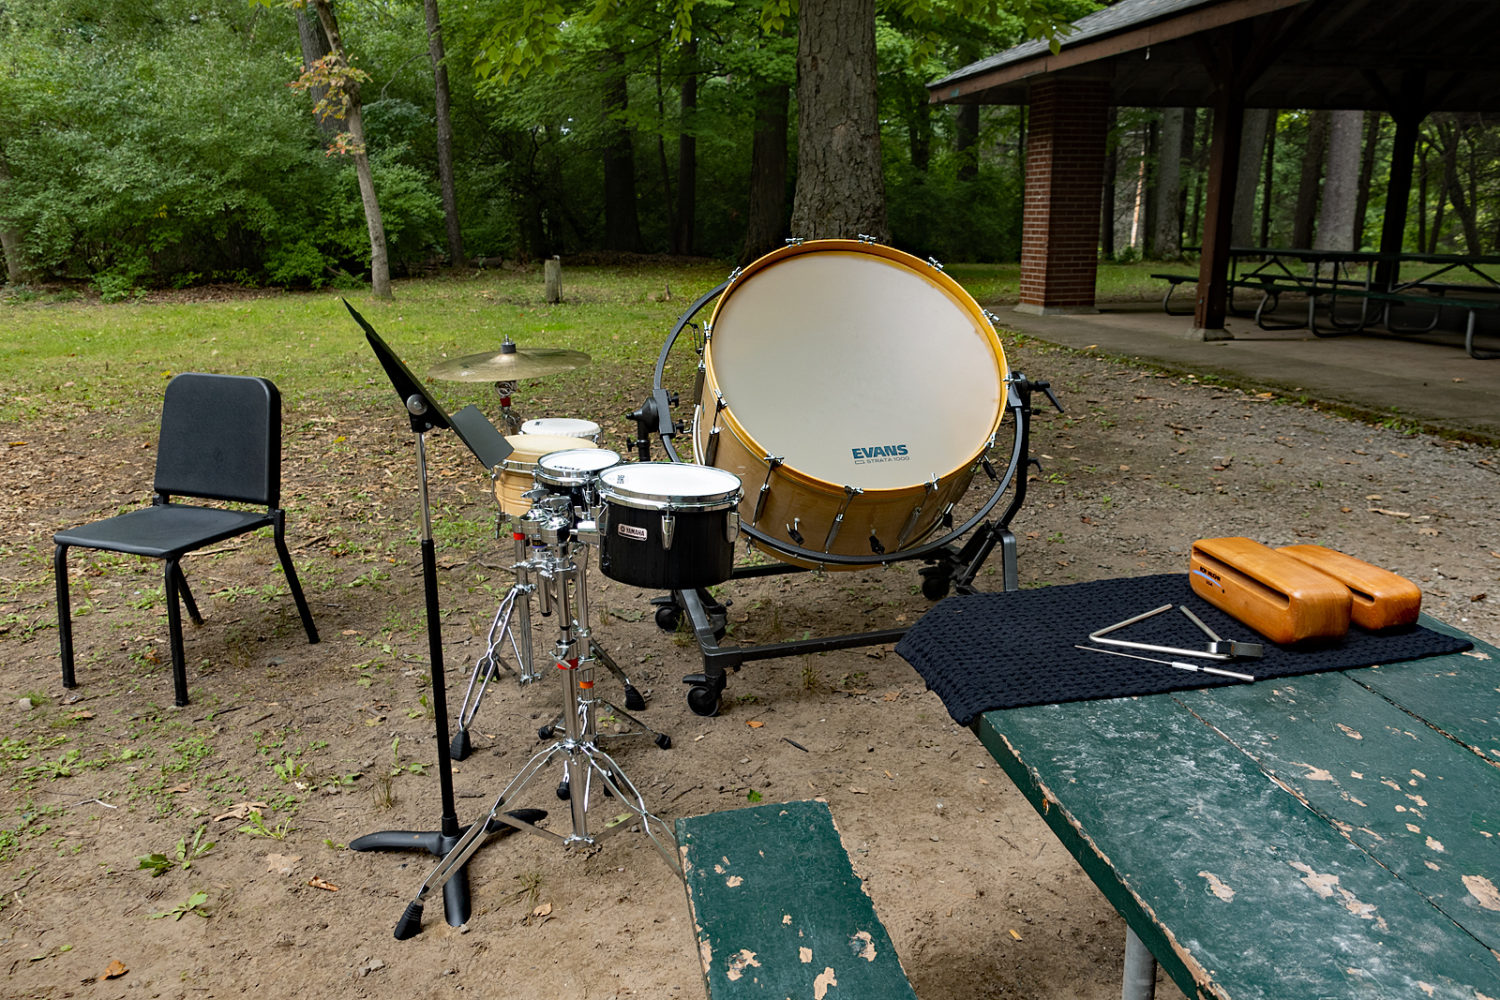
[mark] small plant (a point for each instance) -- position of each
(193, 904)
(186, 853)
(257, 827)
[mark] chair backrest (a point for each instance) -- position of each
(220, 439)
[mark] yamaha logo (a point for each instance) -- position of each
(880, 453)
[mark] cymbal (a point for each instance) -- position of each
(508, 364)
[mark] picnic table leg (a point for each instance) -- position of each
(1140, 970)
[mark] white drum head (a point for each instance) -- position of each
(858, 369)
(577, 460)
(561, 427)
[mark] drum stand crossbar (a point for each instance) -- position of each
(562, 582)
(512, 626)
(949, 566)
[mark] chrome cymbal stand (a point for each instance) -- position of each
(561, 579)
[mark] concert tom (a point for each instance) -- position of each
(516, 476)
(668, 526)
(562, 427)
(574, 473)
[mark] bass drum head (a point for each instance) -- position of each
(857, 365)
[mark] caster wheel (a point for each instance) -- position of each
(668, 616)
(663, 740)
(703, 700)
(460, 747)
(563, 791)
(545, 732)
(935, 588)
(633, 700)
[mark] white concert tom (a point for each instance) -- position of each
(854, 389)
(562, 427)
(517, 474)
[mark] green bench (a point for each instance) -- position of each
(778, 910)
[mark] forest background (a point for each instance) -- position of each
(169, 143)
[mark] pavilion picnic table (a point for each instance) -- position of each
(1327, 835)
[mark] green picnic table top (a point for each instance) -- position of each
(1329, 835)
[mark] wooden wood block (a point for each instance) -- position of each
(1378, 598)
(778, 910)
(1281, 598)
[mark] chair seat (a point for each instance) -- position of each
(164, 532)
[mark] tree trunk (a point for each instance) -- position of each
(840, 188)
(1247, 177)
(1107, 206)
(966, 141)
(314, 47)
(380, 268)
(1366, 176)
(1168, 221)
(1340, 181)
(687, 157)
(766, 216)
(10, 240)
(444, 132)
(1451, 133)
(1268, 184)
(622, 226)
(1307, 182)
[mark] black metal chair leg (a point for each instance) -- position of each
(64, 615)
(174, 628)
(290, 571)
(187, 597)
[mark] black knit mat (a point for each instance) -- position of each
(987, 651)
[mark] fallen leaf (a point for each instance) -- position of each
(755, 723)
(317, 882)
(114, 970)
(1389, 513)
(241, 810)
(282, 864)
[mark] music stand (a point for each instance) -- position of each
(491, 448)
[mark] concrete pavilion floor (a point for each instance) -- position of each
(1430, 381)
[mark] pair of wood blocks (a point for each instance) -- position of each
(1299, 592)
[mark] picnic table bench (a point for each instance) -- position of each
(1326, 835)
(779, 911)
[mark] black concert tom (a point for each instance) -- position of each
(574, 472)
(667, 525)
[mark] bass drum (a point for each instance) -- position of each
(854, 389)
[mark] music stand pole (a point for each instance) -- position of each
(427, 414)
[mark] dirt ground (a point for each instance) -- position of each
(289, 751)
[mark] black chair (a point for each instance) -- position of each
(220, 440)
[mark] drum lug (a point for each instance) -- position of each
(732, 527)
(668, 529)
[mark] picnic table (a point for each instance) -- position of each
(1327, 835)
(1382, 287)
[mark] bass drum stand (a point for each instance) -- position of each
(950, 566)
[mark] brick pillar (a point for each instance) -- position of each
(1064, 178)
